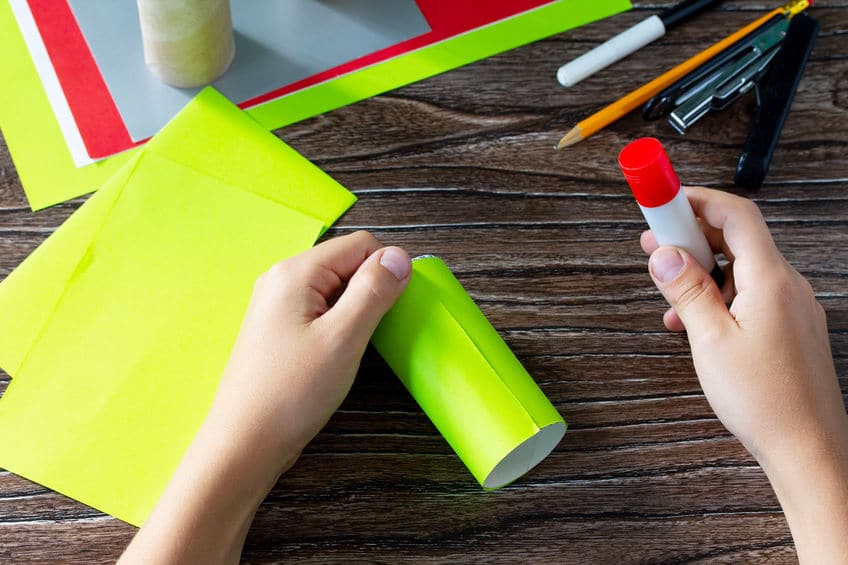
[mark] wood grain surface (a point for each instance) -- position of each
(461, 165)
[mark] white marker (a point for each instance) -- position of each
(634, 38)
(611, 50)
(665, 207)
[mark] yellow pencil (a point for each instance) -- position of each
(601, 119)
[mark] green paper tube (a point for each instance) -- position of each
(465, 378)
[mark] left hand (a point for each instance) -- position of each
(302, 338)
(298, 351)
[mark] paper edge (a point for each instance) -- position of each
(50, 82)
(540, 423)
(540, 452)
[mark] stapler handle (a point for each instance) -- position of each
(663, 103)
(775, 98)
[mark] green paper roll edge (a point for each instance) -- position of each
(466, 379)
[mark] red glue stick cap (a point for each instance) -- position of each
(648, 172)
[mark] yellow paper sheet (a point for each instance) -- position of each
(117, 328)
(213, 136)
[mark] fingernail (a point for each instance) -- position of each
(666, 264)
(396, 261)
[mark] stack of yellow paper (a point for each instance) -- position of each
(117, 328)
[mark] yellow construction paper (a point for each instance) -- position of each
(27, 296)
(209, 135)
(117, 328)
(233, 148)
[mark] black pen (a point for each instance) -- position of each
(630, 40)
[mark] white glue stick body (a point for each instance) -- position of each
(664, 205)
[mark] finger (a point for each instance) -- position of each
(715, 237)
(343, 255)
(371, 291)
(649, 245)
(690, 291)
(320, 273)
(728, 289)
(305, 285)
(746, 235)
(648, 242)
(672, 321)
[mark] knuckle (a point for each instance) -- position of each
(310, 271)
(260, 281)
(792, 293)
(279, 271)
(821, 312)
(783, 285)
(277, 277)
(373, 288)
(806, 289)
(710, 336)
(751, 208)
(692, 293)
(788, 286)
(366, 238)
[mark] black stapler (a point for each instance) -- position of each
(770, 60)
(774, 97)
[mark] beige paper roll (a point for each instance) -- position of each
(187, 42)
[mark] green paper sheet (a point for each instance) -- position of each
(438, 58)
(117, 328)
(465, 378)
(49, 175)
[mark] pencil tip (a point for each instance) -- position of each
(573, 136)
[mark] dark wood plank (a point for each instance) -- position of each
(461, 165)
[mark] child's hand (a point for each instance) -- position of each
(308, 323)
(302, 338)
(765, 364)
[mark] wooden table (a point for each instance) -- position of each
(462, 166)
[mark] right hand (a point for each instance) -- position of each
(765, 362)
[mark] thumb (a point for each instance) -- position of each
(689, 290)
(371, 291)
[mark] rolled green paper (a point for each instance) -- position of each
(465, 378)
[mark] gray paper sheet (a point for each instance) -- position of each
(278, 42)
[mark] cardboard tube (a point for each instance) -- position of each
(465, 378)
(187, 43)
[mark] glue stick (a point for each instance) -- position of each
(664, 205)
